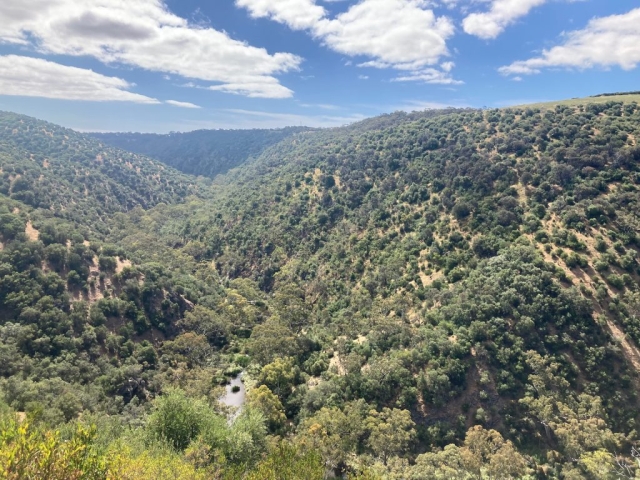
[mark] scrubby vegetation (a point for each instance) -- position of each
(446, 294)
(203, 152)
(78, 178)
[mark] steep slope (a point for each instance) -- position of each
(202, 152)
(443, 266)
(77, 177)
(460, 279)
(81, 322)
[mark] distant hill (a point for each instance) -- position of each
(202, 152)
(617, 94)
(76, 177)
(628, 97)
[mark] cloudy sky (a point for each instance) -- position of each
(177, 65)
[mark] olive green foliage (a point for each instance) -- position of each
(82, 452)
(443, 294)
(417, 245)
(79, 178)
(76, 329)
(203, 152)
(27, 452)
(265, 401)
(179, 420)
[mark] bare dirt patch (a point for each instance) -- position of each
(630, 350)
(586, 277)
(313, 382)
(337, 364)
(122, 264)
(32, 233)
(522, 193)
(429, 279)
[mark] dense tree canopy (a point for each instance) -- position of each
(445, 294)
(203, 152)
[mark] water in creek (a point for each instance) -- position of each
(235, 400)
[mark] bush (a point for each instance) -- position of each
(486, 246)
(616, 281)
(601, 245)
(107, 264)
(288, 461)
(178, 420)
(27, 452)
(461, 210)
(601, 266)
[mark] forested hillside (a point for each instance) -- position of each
(202, 152)
(78, 178)
(448, 294)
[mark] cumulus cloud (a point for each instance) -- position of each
(35, 77)
(605, 42)
(502, 13)
(176, 103)
(144, 34)
(400, 34)
(297, 14)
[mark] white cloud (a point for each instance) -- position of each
(502, 13)
(447, 66)
(176, 103)
(402, 34)
(429, 75)
(605, 42)
(297, 14)
(255, 89)
(440, 76)
(34, 77)
(144, 34)
(323, 106)
(449, 3)
(363, 77)
(396, 32)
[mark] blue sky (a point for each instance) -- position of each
(179, 65)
